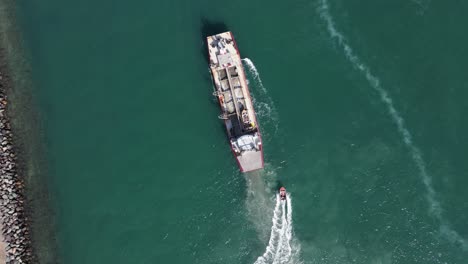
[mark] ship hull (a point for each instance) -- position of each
(242, 128)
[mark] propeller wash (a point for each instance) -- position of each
(281, 248)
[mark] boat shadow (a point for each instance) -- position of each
(209, 28)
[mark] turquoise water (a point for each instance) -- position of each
(361, 106)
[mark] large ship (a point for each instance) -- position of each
(237, 110)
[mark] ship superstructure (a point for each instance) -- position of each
(236, 104)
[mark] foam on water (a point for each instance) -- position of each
(264, 105)
(255, 73)
(274, 235)
(423, 5)
(259, 200)
(434, 205)
(287, 247)
(282, 234)
(280, 246)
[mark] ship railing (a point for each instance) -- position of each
(223, 116)
(236, 106)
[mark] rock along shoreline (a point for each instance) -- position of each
(15, 223)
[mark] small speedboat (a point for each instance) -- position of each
(282, 192)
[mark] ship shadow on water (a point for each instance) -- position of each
(209, 28)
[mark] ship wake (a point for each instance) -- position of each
(264, 105)
(281, 248)
(434, 205)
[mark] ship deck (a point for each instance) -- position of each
(235, 101)
(230, 80)
(250, 160)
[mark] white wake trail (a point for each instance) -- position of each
(253, 70)
(434, 205)
(264, 105)
(284, 226)
(275, 228)
(279, 249)
(288, 249)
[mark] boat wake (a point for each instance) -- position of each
(281, 247)
(264, 106)
(259, 202)
(434, 205)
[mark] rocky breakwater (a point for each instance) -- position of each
(15, 227)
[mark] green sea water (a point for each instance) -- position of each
(362, 106)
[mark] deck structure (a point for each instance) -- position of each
(233, 95)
